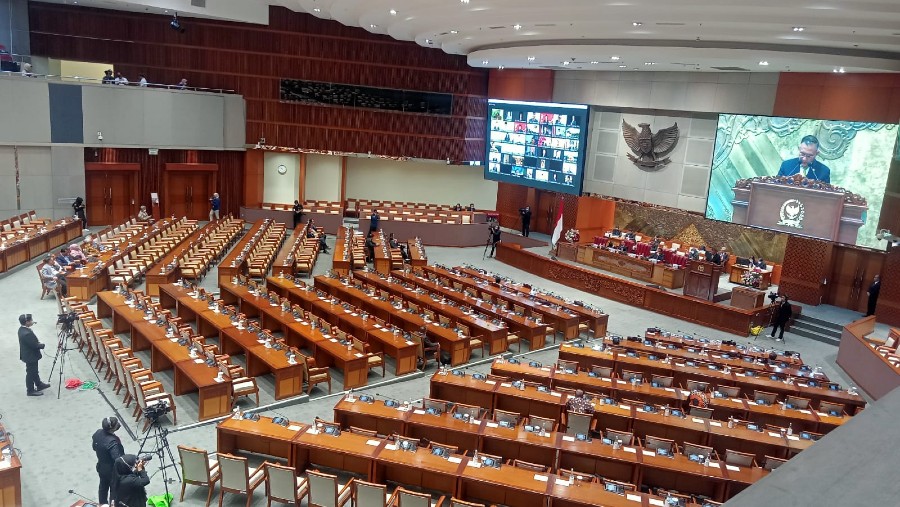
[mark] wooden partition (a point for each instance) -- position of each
(871, 371)
(725, 318)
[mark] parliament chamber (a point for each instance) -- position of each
(284, 296)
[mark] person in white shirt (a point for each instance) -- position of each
(52, 273)
(143, 82)
(120, 79)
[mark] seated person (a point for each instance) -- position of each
(658, 255)
(323, 246)
(616, 231)
(392, 241)
(370, 247)
(52, 276)
(143, 215)
(579, 403)
(75, 253)
(470, 207)
(654, 245)
(311, 231)
(432, 348)
(404, 252)
(63, 259)
(629, 235)
(715, 258)
(458, 207)
(806, 164)
(693, 254)
(762, 264)
(723, 256)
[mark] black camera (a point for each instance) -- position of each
(66, 318)
(145, 458)
(155, 411)
(772, 296)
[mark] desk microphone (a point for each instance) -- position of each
(91, 503)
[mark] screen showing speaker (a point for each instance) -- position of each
(537, 144)
(819, 178)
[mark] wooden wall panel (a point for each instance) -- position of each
(859, 97)
(252, 59)
(806, 266)
(888, 309)
(230, 174)
(521, 84)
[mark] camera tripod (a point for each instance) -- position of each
(66, 331)
(162, 451)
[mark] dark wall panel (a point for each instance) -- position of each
(252, 59)
(66, 116)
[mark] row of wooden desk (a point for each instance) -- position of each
(616, 416)
(379, 460)
(34, 243)
(10, 472)
(682, 372)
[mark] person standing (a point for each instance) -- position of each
(131, 481)
(525, 213)
(370, 247)
(782, 315)
(30, 353)
(495, 233)
(374, 218)
(214, 204)
(873, 291)
(108, 447)
(79, 208)
(298, 213)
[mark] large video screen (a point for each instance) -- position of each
(818, 178)
(537, 144)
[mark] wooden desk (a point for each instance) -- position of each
(464, 390)
(508, 485)
(262, 360)
(160, 272)
(259, 437)
(632, 267)
(737, 272)
(235, 263)
(420, 469)
(31, 244)
(10, 481)
(416, 251)
(214, 397)
(747, 298)
(374, 416)
(348, 451)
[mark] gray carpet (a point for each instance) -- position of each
(53, 435)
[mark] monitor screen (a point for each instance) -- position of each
(819, 178)
(536, 144)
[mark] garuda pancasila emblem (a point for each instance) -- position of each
(649, 148)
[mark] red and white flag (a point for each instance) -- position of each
(557, 230)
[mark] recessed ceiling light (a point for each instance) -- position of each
(839, 70)
(373, 26)
(649, 63)
(595, 62)
(614, 58)
(636, 23)
(565, 63)
(530, 58)
(501, 67)
(463, 1)
(622, 66)
(763, 62)
(484, 62)
(393, 12)
(454, 32)
(429, 41)
(799, 28)
(317, 10)
(517, 27)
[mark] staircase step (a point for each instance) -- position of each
(830, 340)
(820, 322)
(816, 328)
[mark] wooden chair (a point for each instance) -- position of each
(578, 423)
(656, 443)
(406, 498)
(617, 487)
(525, 465)
(699, 450)
(740, 459)
(796, 402)
(369, 494)
(283, 485)
(549, 425)
(145, 400)
(456, 502)
(567, 366)
(832, 409)
(626, 437)
(660, 381)
(242, 386)
(627, 375)
(198, 469)
(502, 416)
(729, 391)
(47, 286)
(772, 463)
(362, 431)
(313, 375)
(373, 360)
(474, 412)
(324, 490)
(237, 478)
(602, 371)
(696, 385)
(764, 397)
(573, 475)
(705, 413)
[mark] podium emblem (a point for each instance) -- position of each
(792, 213)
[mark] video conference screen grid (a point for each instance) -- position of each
(537, 144)
(851, 156)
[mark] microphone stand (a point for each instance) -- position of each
(79, 495)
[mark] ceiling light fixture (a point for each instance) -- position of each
(636, 23)
(517, 27)
(429, 41)
(501, 67)
(839, 70)
(464, 1)
(317, 10)
(763, 62)
(530, 58)
(373, 25)
(594, 62)
(799, 28)
(649, 63)
(614, 58)
(622, 66)
(484, 62)
(565, 63)
(393, 12)
(454, 32)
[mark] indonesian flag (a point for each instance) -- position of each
(557, 230)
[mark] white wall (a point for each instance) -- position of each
(281, 188)
(683, 183)
(49, 179)
(429, 182)
(323, 178)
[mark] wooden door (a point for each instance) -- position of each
(852, 271)
(111, 196)
(188, 194)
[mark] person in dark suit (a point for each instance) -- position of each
(782, 315)
(723, 256)
(616, 231)
(525, 213)
(30, 353)
(323, 245)
(131, 482)
(79, 208)
(761, 264)
(806, 164)
(716, 258)
(495, 233)
(108, 447)
(873, 291)
(298, 213)
(370, 247)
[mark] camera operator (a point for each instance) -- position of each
(131, 480)
(108, 447)
(30, 353)
(782, 316)
(494, 232)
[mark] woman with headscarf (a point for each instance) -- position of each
(131, 480)
(79, 208)
(76, 253)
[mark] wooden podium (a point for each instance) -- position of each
(799, 206)
(702, 280)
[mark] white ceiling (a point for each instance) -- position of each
(674, 35)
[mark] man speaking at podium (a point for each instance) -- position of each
(806, 163)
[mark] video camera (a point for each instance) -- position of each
(773, 296)
(157, 410)
(66, 318)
